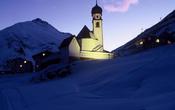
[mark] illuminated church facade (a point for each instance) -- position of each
(87, 44)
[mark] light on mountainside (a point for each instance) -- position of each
(20, 66)
(141, 42)
(44, 54)
(157, 40)
(25, 62)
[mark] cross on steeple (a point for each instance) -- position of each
(96, 2)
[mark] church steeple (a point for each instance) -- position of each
(97, 23)
(96, 9)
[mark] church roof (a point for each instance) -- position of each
(66, 42)
(96, 9)
(84, 33)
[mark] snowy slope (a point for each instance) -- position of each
(144, 81)
(165, 25)
(28, 38)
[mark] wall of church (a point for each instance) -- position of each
(74, 48)
(98, 30)
(88, 44)
(96, 55)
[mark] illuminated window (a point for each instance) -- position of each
(157, 40)
(141, 43)
(169, 42)
(20, 66)
(97, 24)
(44, 54)
(25, 62)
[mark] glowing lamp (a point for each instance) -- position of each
(141, 42)
(44, 54)
(25, 62)
(20, 66)
(157, 40)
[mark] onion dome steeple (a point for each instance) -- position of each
(96, 9)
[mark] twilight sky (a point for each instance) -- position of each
(123, 19)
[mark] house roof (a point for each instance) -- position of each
(66, 42)
(84, 33)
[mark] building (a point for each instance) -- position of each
(45, 59)
(20, 65)
(87, 44)
(70, 49)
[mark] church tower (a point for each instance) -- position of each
(88, 44)
(97, 24)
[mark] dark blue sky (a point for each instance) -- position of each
(123, 19)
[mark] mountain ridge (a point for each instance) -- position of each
(166, 25)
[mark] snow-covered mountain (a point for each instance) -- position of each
(144, 81)
(28, 38)
(166, 25)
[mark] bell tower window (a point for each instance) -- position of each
(97, 24)
(97, 17)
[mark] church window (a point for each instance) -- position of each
(97, 17)
(97, 24)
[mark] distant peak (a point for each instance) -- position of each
(39, 20)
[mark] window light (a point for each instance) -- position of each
(157, 40)
(44, 54)
(25, 62)
(141, 42)
(20, 66)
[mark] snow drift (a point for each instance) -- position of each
(144, 81)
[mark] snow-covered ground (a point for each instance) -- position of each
(145, 81)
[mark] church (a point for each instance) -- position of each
(87, 44)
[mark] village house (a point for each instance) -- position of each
(20, 65)
(45, 58)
